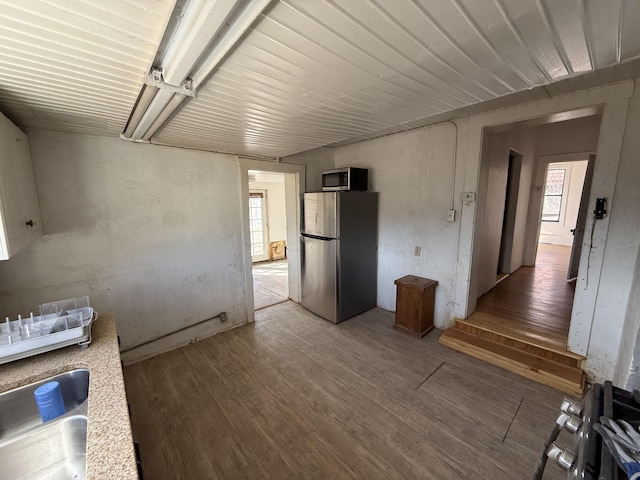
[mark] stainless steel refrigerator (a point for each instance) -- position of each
(338, 249)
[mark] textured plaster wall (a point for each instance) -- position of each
(315, 161)
(152, 234)
(413, 174)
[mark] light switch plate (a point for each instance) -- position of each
(469, 197)
(451, 216)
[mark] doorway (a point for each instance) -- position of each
(268, 234)
(536, 301)
(509, 217)
(531, 206)
(564, 209)
(295, 184)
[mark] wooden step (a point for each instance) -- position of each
(538, 368)
(508, 333)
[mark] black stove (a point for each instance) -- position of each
(588, 458)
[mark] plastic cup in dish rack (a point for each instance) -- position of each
(49, 401)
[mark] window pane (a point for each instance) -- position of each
(255, 224)
(553, 195)
(551, 208)
(555, 182)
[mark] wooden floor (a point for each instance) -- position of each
(533, 302)
(296, 397)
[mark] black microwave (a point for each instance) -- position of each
(346, 178)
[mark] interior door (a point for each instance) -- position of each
(578, 232)
(258, 226)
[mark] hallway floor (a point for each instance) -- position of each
(270, 283)
(535, 301)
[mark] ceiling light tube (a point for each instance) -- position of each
(200, 24)
(164, 115)
(155, 108)
(207, 32)
(144, 99)
(234, 33)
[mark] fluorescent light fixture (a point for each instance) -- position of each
(206, 32)
(155, 108)
(146, 95)
(171, 107)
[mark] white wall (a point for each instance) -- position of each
(152, 234)
(559, 233)
(618, 303)
(315, 161)
(413, 174)
(570, 136)
(276, 215)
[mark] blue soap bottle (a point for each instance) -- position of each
(49, 401)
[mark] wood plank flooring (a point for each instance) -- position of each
(296, 397)
(533, 303)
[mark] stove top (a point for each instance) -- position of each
(588, 458)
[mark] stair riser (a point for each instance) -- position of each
(535, 350)
(523, 370)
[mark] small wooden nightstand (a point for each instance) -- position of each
(415, 298)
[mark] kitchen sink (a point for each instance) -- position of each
(54, 451)
(18, 409)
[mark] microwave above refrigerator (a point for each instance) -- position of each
(346, 178)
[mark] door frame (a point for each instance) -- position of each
(294, 186)
(591, 303)
(537, 199)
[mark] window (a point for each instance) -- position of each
(553, 195)
(256, 223)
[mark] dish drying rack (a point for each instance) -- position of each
(60, 324)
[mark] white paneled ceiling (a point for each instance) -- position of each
(310, 72)
(76, 65)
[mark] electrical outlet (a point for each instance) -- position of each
(451, 216)
(223, 317)
(417, 251)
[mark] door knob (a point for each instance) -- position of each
(29, 223)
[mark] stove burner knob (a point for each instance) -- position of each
(563, 458)
(571, 407)
(569, 422)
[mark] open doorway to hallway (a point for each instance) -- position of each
(533, 204)
(521, 320)
(268, 237)
(536, 301)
